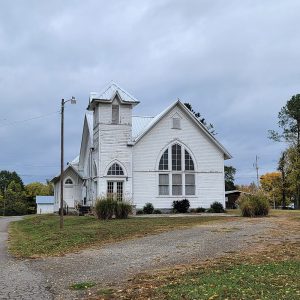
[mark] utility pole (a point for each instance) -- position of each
(63, 102)
(255, 165)
(61, 219)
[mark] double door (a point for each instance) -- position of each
(115, 189)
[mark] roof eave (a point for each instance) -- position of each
(93, 102)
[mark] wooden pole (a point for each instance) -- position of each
(61, 223)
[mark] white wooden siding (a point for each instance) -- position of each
(209, 163)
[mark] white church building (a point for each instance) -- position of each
(171, 156)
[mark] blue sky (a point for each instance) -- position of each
(236, 62)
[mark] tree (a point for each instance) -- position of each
(251, 188)
(15, 200)
(229, 172)
(209, 126)
(38, 189)
(6, 177)
(271, 184)
(289, 122)
(282, 168)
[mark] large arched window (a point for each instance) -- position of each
(176, 172)
(115, 169)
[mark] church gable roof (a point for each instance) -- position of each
(108, 94)
(156, 119)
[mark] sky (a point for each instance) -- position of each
(236, 62)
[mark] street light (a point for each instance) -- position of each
(63, 102)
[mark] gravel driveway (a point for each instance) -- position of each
(116, 263)
(17, 279)
(50, 278)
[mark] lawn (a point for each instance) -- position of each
(37, 236)
(265, 281)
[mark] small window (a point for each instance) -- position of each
(163, 184)
(176, 123)
(163, 163)
(115, 114)
(176, 184)
(68, 181)
(190, 184)
(115, 169)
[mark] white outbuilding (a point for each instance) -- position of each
(158, 159)
(44, 204)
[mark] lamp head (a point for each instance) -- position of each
(73, 100)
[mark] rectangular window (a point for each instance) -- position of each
(115, 114)
(176, 123)
(190, 184)
(176, 184)
(163, 184)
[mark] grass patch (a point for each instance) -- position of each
(105, 292)
(264, 281)
(37, 236)
(82, 285)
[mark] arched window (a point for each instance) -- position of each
(115, 169)
(176, 172)
(163, 163)
(69, 181)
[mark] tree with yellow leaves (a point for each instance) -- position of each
(271, 184)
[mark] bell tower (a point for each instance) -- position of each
(112, 133)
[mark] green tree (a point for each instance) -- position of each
(15, 200)
(289, 122)
(38, 189)
(209, 126)
(229, 172)
(6, 177)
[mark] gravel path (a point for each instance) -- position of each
(116, 263)
(17, 279)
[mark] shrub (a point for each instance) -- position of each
(148, 208)
(122, 209)
(200, 209)
(217, 207)
(105, 208)
(254, 205)
(192, 210)
(181, 206)
(157, 211)
(139, 212)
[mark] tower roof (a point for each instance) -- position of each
(108, 94)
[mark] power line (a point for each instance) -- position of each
(29, 119)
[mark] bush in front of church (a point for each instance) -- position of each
(148, 208)
(105, 208)
(122, 209)
(181, 206)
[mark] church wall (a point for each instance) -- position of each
(209, 163)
